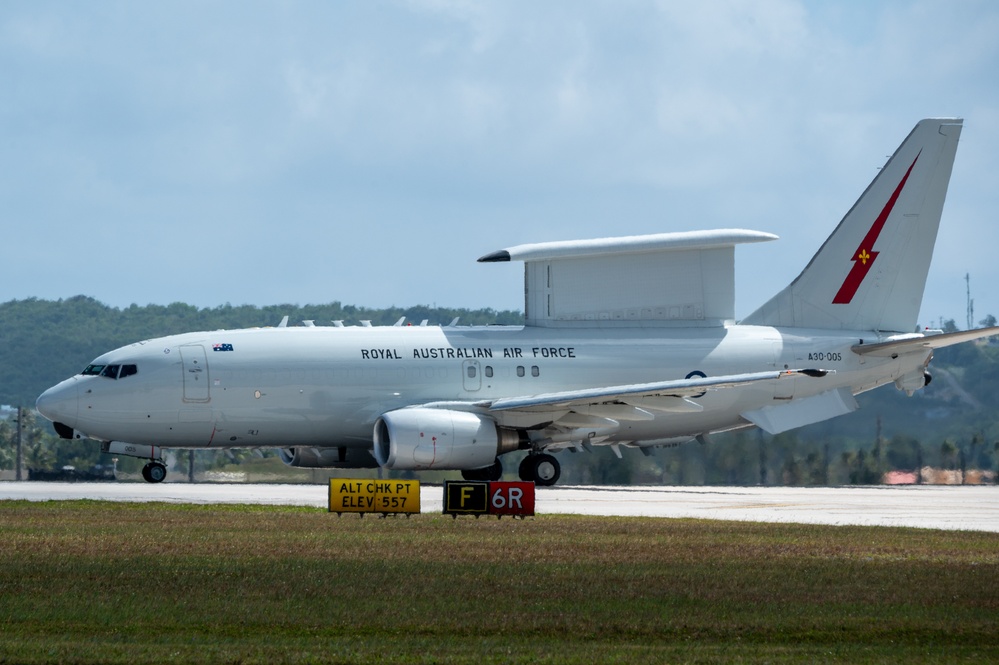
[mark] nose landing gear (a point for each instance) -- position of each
(154, 472)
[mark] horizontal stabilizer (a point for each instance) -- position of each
(801, 412)
(914, 343)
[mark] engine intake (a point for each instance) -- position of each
(421, 438)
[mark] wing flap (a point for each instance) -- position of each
(801, 412)
(682, 388)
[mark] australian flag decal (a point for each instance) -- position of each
(221, 347)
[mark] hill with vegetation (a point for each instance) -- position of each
(951, 424)
(43, 341)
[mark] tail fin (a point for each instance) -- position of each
(871, 272)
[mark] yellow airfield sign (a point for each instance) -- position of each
(359, 495)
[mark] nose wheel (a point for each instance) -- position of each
(543, 469)
(154, 472)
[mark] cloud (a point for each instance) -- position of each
(370, 152)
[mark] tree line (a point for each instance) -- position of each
(950, 425)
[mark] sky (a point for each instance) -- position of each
(369, 152)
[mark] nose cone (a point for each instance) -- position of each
(60, 403)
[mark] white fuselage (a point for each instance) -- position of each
(327, 386)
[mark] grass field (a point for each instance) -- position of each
(107, 582)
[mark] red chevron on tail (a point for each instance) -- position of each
(865, 255)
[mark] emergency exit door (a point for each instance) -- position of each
(195, 362)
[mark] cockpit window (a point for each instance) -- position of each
(111, 371)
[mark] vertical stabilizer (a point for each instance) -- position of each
(871, 272)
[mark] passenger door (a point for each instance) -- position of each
(196, 383)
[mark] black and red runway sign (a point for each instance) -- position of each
(473, 497)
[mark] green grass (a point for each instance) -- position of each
(106, 582)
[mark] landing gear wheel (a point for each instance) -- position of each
(494, 472)
(491, 472)
(526, 470)
(543, 469)
(154, 472)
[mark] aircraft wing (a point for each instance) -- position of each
(680, 389)
(914, 343)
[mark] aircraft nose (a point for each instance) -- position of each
(60, 403)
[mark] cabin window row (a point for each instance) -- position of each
(488, 371)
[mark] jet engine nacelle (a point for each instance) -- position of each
(421, 438)
(308, 457)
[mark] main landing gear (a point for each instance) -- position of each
(542, 468)
(154, 472)
(491, 472)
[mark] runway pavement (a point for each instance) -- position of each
(974, 508)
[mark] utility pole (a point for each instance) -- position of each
(919, 464)
(971, 303)
(20, 454)
(879, 451)
(763, 458)
(826, 461)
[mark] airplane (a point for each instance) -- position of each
(628, 342)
